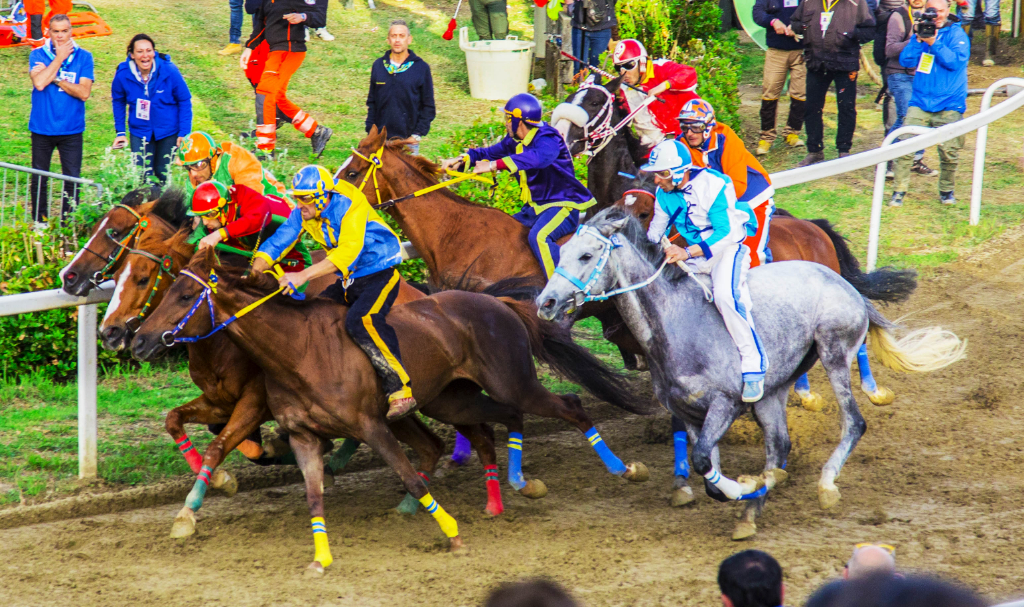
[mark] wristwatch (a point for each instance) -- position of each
(416, 138)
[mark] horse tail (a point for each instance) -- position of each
(886, 284)
(922, 350)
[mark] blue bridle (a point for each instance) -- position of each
(610, 243)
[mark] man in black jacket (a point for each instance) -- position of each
(784, 57)
(833, 31)
(401, 95)
(283, 23)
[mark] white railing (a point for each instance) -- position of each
(891, 151)
(38, 301)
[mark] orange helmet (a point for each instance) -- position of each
(198, 146)
(210, 198)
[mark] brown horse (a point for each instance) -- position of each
(460, 344)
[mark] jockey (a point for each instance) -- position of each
(227, 163)
(701, 204)
(239, 218)
(716, 146)
(552, 195)
(364, 252)
(673, 83)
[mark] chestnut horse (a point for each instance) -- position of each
(458, 344)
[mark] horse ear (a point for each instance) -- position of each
(372, 132)
(384, 133)
(614, 85)
(610, 227)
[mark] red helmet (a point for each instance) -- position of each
(210, 198)
(627, 50)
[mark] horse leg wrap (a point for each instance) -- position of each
(195, 461)
(515, 460)
(803, 385)
(726, 485)
(323, 550)
(410, 505)
(194, 501)
(462, 451)
(341, 456)
(682, 460)
(494, 505)
(444, 520)
(611, 461)
(867, 380)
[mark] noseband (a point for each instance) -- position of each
(120, 246)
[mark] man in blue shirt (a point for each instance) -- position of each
(62, 75)
(939, 96)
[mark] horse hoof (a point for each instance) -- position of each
(315, 569)
(744, 530)
(637, 473)
(812, 401)
(881, 397)
(224, 482)
(681, 496)
(534, 489)
(276, 447)
(328, 478)
(775, 477)
(184, 523)
(828, 497)
(409, 505)
(457, 547)
(749, 484)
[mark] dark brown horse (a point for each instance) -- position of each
(470, 359)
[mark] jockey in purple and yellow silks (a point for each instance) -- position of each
(552, 196)
(364, 252)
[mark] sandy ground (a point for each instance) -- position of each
(938, 474)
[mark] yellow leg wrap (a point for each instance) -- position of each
(445, 520)
(323, 550)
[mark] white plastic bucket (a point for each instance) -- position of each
(498, 69)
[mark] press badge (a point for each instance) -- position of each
(68, 77)
(926, 63)
(790, 3)
(826, 18)
(142, 109)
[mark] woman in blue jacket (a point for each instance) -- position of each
(159, 105)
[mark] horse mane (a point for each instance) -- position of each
(140, 196)
(253, 284)
(171, 207)
(644, 182)
(634, 232)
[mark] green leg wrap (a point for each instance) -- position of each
(341, 456)
(410, 505)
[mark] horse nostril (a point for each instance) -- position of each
(548, 303)
(70, 277)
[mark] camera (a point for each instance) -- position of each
(925, 26)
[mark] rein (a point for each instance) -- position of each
(603, 132)
(122, 246)
(164, 265)
(583, 295)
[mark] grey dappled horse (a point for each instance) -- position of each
(803, 311)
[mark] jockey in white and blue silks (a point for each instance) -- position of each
(701, 204)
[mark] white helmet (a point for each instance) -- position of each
(669, 155)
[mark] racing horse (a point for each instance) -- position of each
(459, 344)
(804, 313)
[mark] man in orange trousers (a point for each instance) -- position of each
(34, 9)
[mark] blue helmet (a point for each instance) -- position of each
(669, 155)
(523, 107)
(313, 180)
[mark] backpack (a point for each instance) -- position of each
(881, 29)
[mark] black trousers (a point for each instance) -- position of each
(369, 299)
(70, 149)
(153, 157)
(818, 84)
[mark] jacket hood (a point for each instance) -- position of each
(412, 56)
(128, 69)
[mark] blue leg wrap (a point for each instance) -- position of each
(802, 384)
(682, 459)
(613, 463)
(515, 460)
(753, 496)
(194, 501)
(867, 380)
(462, 451)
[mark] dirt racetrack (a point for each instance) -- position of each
(938, 474)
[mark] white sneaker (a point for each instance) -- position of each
(325, 35)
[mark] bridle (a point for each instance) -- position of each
(121, 246)
(164, 265)
(598, 132)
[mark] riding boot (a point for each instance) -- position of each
(991, 45)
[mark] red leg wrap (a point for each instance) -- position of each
(195, 461)
(494, 505)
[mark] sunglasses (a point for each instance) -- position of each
(628, 65)
(693, 127)
(666, 174)
(304, 198)
(197, 166)
(888, 548)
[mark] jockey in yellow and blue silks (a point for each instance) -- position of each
(552, 196)
(701, 204)
(364, 252)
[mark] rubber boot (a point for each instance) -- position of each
(991, 45)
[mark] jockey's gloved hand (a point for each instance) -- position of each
(454, 164)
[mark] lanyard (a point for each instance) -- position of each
(827, 7)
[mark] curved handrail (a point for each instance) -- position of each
(978, 176)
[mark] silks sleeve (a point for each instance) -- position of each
(542, 151)
(286, 237)
(253, 212)
(659, 223)
(720, 224)
(243, 167)
(499, 150)
(351, 237)
(734, 162)
(681, 77)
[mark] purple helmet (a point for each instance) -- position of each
(523, 107)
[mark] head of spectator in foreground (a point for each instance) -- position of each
(399, 37)
(142, 50)
(893, 591)
(60, 30)
(941, 9)
(530, 593)
(751, 579)
(870, 559)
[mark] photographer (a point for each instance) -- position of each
(939, 51)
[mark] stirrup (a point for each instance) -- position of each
(400, 407)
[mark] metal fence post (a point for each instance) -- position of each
(87, 391)
(981, 143)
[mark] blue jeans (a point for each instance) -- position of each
(235, 30)
(153, 156)
(989, 7)
(901, 86)
(588, 46)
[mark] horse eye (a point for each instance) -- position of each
(586, 257)
(352, 174)
(186, 296)
(644, 216)
(144, 281)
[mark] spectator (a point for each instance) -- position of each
(593, 25)
(490, 18)
(159, 105)
(34, 11)
(62, 75)
(234, 29)
(401, 95)
(751, 579)
(784, 57)
(833, 31)
(531, 593)
(993, 22)
(899, 79)
(893, 591)
(870, 559)
(939, 95)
